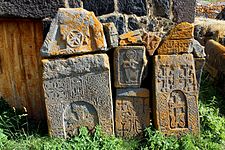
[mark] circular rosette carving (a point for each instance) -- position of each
(75, 39)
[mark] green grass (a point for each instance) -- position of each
(16, 135)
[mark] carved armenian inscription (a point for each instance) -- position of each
(78, 96)
(132, 112)
(176, 94)
(178, 41)
(129, 64)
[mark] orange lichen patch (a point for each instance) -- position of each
(131, 38)
(151, 42)
(74, 31)
(178, 40)
(210, 11)
(175, 97)
(215, 55)
(183, 30)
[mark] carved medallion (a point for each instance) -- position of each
(75, 39)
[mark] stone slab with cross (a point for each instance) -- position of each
(78, 93)
(175, 95)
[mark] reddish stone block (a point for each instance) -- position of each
(132, 114)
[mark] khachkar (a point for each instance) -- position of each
(175, 85)
(77, 88)
(132, 102)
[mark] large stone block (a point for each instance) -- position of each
(178, 41)
(78, 93)
(184, 10)
(129, 65)
(99, 7)
(132, 114)
(175, 104)
(74, 30)
(137, 7)
(30, 8)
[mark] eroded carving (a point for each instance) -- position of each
(132, 112)
(178, 41)
(175, 94)
(82, 92)
(79, 114)
(177, 110)
(129, 65)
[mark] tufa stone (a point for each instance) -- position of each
(175, 105)
(178, 40)
(129, 65)
(78, 93)
(74, 31)
(132, 114)
(215, 55)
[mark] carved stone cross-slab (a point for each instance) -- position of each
(175, 94)
(78, 93)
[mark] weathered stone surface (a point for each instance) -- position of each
(151, 42)
(197, 49)
(74, 30)
(206, 29)
(129, 65)
(99, 7)
(30, 8)
(78, 93)
(132, 114)
(137, 7)
(221, 15)
(178, 41)
(161, 25)
(131, 38)
(175, 95)
(162, 8)
(118, 20)
(112, 36)
(215, 55)
(199, 65)
(184, 10)
(209, 9)
(133, 24)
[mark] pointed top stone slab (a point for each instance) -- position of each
(74, 31)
